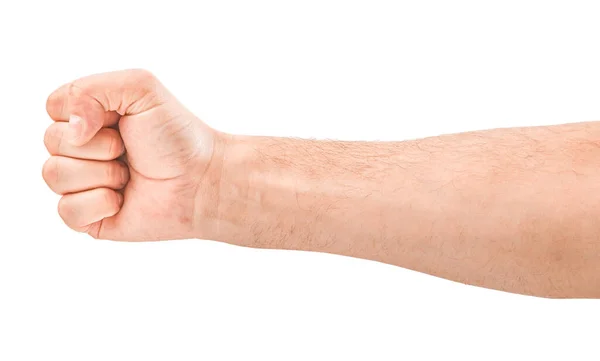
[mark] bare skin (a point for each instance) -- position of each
(509, 209)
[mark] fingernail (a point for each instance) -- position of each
(76, 125)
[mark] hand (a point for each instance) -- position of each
(128, 158)
(509, 209)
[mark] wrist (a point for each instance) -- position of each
(222, 196)
(206, 199)
(250, 197)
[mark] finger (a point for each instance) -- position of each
(69, 104)
(85, 114)
(68, 175)
(105, 145)
(59, 106)
(81, 211)
(87, 102)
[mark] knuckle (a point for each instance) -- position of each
(50, 103)
(66, 211)
(113, 173)
(55, 103)
(53, 138)
(143, 75)
(111, 199)
(50, 172)
(145, 89)
(114, 144)
(74, 90)
(111, 147)
(49, 136)
(110, 172)
(145, 81)
(80, 96)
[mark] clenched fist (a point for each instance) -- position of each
(129, 160)
(510, 209)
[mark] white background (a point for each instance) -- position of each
(345, 70)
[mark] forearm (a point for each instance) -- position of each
(511, 209)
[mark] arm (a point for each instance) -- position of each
(509, 209)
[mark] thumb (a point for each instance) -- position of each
(99, 100)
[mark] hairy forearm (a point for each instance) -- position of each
(510, 209)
